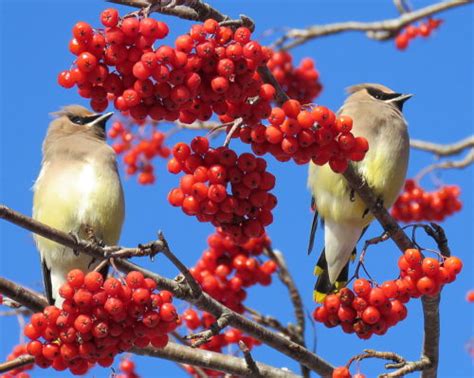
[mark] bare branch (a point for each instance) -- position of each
(447, 164)
(195, 10)
(18, 362)
(212, 360)
(249, 359)
(295, 296)
(268, 78)
(180, 290)
(25, 297)
(270, 321)
(378, 30)
(204, 336)
(401, 364)
(443, 149)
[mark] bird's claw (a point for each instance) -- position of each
(75, 236)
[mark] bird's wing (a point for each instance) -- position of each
(48, 288)
(314, 225)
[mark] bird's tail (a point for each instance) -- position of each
(323, 285)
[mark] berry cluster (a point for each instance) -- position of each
(299, 83)
(424, 29)
(226, 269)
(306, 135)
(127, 369)
(415, 204)
(100, 319)
(212, 69)
(343, 372)
(245, 211)
(369, 309)
(18, 350)
(139, 148)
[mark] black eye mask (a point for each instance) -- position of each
(380, 95)
(78, 120)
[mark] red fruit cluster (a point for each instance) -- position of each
(245, 211)
(299, 83)
(343, 372)
(127, 369)
(415, 204)
(212, 69)
(306, 135)
(369, 309)
(139, 148)
(226, 269)
(20, 372)
(423, 29)
(100, 319)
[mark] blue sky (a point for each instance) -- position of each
(437, 70)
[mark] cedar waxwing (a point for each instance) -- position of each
(78, 190)
(376, 112)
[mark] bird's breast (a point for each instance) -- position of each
(72, 196)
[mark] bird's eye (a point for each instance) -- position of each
(380, 95)
(77, 120)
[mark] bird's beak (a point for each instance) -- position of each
(100, 120)
(400, 100)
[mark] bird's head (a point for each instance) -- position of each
(76, 119)
(377, 93)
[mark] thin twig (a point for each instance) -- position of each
(204, 336)
(401, 364)
(447, 164)
(378, 30)
(295, 296)
(249, 359)
(443, 149)
(193, 285)
(272, 322)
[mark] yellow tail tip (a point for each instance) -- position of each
(318, 296)
(318, 270)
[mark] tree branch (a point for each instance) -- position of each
(194, 10)
(287, 280)
(430, 304)
(18, 362)
(204, 336)
(24, 296)
(447, 164)
(212, 360)
(378, 30)
(443, 149)
(249, 360)
(180, 289)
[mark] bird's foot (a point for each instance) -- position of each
(92, 238)
(76, 238)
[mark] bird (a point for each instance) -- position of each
(376, 112)
(78, 191)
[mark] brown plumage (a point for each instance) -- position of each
(376, 111)
(78, 190)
